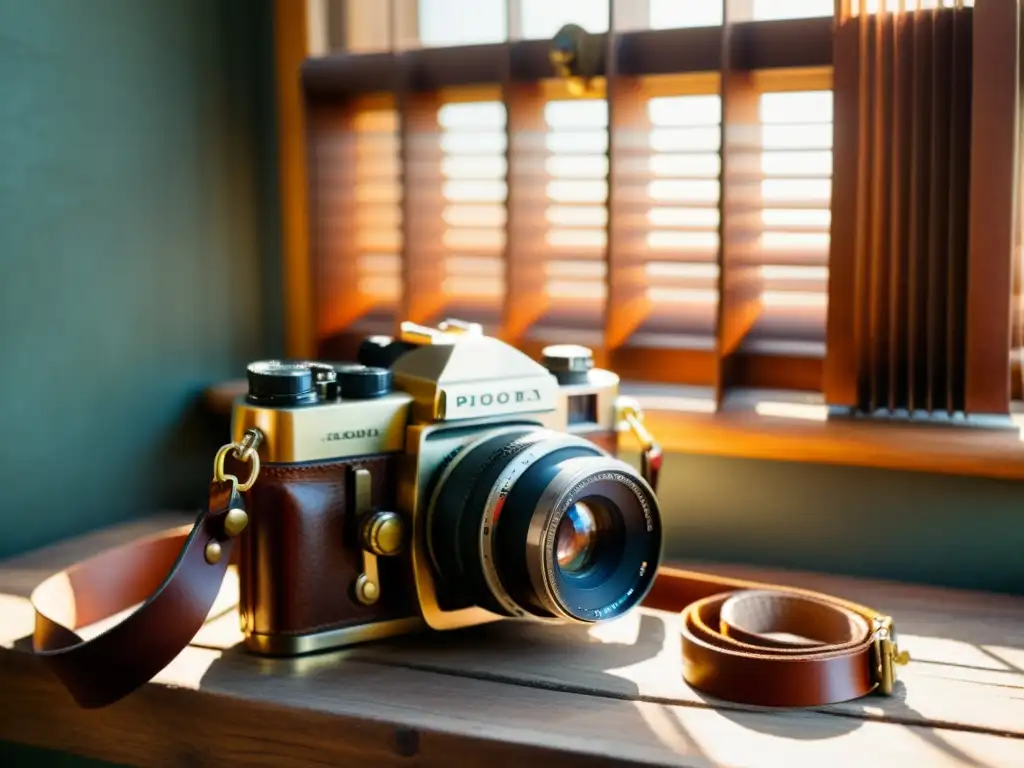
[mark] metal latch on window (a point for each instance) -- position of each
(579, 57)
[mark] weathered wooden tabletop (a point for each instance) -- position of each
(506, 694)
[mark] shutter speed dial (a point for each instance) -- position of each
(288, 384)
(363, 382)
(281, 383)
(570, 363)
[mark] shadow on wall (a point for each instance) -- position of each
(134, 192)
(938, 529)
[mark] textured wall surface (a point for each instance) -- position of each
(954, 531)
(135, 264)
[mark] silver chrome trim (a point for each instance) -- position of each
(326, 431)
(427, 444)
(477, 377)
(436, 491)
(500, 489)
(552, 506)
(292, 645)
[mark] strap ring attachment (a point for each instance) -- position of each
(246, 450)
(630, 416)
(886, 654)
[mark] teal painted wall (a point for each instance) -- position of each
(138, 249)
(913, 526)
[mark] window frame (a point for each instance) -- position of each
(736, 428)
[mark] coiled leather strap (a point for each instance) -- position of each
(832, 650)
(731, 647)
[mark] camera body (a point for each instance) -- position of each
(444, 480)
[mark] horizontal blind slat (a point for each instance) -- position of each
(666, 208)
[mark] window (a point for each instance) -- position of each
(756, 197)
(796, 187)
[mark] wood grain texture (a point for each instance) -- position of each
(507, 694)
(993, 233)
(347, 713)
(781, 429)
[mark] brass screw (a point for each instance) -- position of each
(383, 533)
(370, 592)
(367, 591)
(213, 552)
(235, 521)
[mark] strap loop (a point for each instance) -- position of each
(246, 451)
(731, 647)
(173, 577)
(631, 414)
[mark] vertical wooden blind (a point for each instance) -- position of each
(687, 217)
(925, 218)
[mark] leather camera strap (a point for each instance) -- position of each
(832, 650)
(728, 626)
(175, 575)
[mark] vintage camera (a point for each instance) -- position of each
(445, 479)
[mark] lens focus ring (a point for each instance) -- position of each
(502, 506)
(545, 444)
(622, 570)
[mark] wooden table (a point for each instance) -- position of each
(521, 695)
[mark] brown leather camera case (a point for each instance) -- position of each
(302, 553)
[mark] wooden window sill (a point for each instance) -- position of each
(796, 427)
(785, 426)
(523, 694)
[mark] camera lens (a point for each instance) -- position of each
(530, 522)
(586, 529)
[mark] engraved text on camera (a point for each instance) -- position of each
(485, 399)
(352, 434)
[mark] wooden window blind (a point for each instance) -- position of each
(794, 161)
(926, 228)
(736, 201)
(355, 181)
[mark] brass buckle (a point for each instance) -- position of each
(886, 654)
(629, 411)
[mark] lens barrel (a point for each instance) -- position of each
(536, 523)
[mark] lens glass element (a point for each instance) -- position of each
(580, 535)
